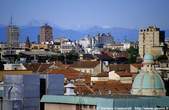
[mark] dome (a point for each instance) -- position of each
(148, 84)
(148, 58)
(148, 81)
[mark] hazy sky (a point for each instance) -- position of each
(86, 13)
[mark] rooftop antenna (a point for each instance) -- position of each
(11, 21)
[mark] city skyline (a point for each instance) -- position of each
(76, 14)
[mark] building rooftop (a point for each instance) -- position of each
(85, 64)
(37, 67)
(39, 53)
(104, 57)
(120, 73)
(99, 88)
(88, 57)
(46, 26)
(119, 67)
(125, 74)
(109, 101)
(137, 65)
(69, 99)
(69, 73)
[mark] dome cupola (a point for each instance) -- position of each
(148, 81)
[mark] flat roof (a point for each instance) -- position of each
(68, 99)
(42, 53)
(110, 101)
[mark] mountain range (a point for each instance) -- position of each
(119, 34)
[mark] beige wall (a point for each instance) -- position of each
(85, 70)
(59, 107)
(97, 69)
(13, 72)
(133, 69)
(94, 71)
(149, 38)
(126, 80)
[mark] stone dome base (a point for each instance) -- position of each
(148, 92)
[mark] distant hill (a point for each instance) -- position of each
(119, 34)
(2, 33)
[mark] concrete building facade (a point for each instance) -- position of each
(13, 36)
(151, 40)
(46, 33)
(104, 38)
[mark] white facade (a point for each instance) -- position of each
(114, 46)
(67, 46)
(14, 67)
(86, 44)
(126, 45)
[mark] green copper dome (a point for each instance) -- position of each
(148, 81)
(148, 58)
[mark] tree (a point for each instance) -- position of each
(132, 55)
(162, 58)
(69, 58)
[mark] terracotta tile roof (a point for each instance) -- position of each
(37, 67)
(103, 88)
(103, 74)
(42, 67)
(119, 54)
(137, 65)
(88, 57)
(69, 73)
(120, 73)
(119, 67)
(104, 57)
(85, 64)
(125, 74)
(59, 65)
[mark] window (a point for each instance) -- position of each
(84, 106)
(91, 106)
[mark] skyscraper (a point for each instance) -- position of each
(13, 36)
(151, 40)
(104, 38)
(46, 34)
(27, 43)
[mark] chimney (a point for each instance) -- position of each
(70, 87)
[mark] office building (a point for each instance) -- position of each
(13, 36)
(46, 33)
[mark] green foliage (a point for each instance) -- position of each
(132, 55)
(68, 57)
(162, 58)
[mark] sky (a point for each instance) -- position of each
(76, 14)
